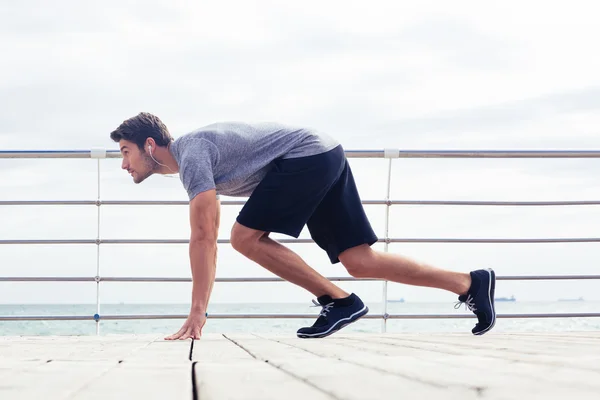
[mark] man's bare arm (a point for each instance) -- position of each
(204, 222)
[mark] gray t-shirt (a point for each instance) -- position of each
(233, 157)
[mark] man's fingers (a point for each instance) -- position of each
(187, 334)
(187, 331)
(173, 336)
(197, 333)
(178, 334)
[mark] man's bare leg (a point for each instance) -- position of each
(364, 262)
(475, 289)
(283, 262)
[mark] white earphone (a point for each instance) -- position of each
(150, 151)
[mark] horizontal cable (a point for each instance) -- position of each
(225, 241)
(349, 153)
(277, 316)
(159, 279)
(54, 154)
(497, 154)
(254, 279)
(48, 279)
(48, 241)
(458, 240)
(528, 315)
(493, 203)
(545, 277)
(46, 317)
(242, 202)
(47, 202)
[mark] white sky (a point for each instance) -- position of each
(411, 75)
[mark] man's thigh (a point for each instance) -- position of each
(290, 192)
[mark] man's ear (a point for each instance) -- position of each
(150, 145)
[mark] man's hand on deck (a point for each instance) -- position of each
(192, 328)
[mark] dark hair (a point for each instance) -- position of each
(139, 128)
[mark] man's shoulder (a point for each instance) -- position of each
(249, 126)
(191, 147)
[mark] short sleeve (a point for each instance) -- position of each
(197, 161)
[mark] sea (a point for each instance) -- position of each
(290, 325)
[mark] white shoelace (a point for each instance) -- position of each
(325, 309)
(469, 304)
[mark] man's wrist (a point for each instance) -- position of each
(198, 309)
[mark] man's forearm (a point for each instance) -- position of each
(203, 255)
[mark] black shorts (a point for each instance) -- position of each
(317, 191)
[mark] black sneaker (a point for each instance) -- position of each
(336, 314)
(480, 299)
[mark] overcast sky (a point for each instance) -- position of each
(383, 74)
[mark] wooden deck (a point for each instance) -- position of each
(343, 366)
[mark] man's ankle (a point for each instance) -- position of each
(338, 294)
(465, 284)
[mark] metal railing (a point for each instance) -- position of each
(390, 154)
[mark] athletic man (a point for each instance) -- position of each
(292, 177)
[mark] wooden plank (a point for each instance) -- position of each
(343, 379)
(594, 335)
(139, 381)
(53, 380)
(578, 357)
(224, 371)
(71, 347)
(587, 363)
(488, 375)
(158, 370)
(413, 367)
(50, 367)
(95, 367)
(530, 344)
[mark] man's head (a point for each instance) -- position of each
(138, 138)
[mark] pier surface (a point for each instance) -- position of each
(342, 366)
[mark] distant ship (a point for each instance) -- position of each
(400, 300)
(511, 298)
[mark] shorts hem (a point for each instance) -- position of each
(264, 228)
(369, 240)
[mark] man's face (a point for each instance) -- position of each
(137, 162)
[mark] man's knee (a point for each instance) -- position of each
(359, 261)
(243, 239)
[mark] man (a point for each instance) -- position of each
(292, 177)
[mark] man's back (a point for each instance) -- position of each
(234, 156)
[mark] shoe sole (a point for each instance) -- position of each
(337, 326)
(491, 290)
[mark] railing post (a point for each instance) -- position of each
(98, 154)
(389, 154)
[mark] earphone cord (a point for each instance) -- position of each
(150, 151)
